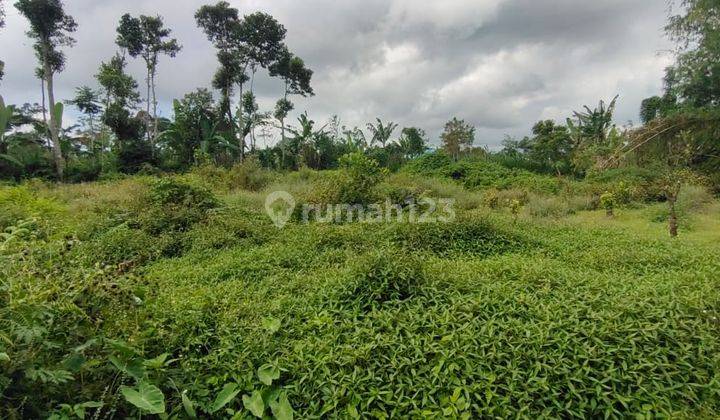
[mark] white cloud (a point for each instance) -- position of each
(448, 17)
(500, 64)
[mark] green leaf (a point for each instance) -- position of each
(227, 394)
(133, 367)
(268, 373)
(157, 362)
(4, 357)
(188, 405)
(281, 409)
(254, 403)
(272, 325)
(147, 397)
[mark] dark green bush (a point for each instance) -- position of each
(429, 164)
(383, 276)
(171, 205)
(476, 237)
(353, 183)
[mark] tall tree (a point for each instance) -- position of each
(296, 77)
(121, 97)
(458, 135)
(381, 132)
(413, 142)
(87, 101)
(550, 148)
(147, 37)
(50, 27)
(259, 42)
(220, 22)
(244, 45)
(695, 77)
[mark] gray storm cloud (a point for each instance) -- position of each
(500, 64)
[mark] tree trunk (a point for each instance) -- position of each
(155, 117)
(54, 124)
(48, 143)
(673, 219)
(241, 126)
(148, 127)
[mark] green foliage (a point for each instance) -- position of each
(353, 183)
(148, 398)
(608, 201)
(383, 276)
(172, 205)
(251, 321)
(457, 137)
(429, 164)
(481, 173)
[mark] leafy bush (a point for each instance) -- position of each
(472, 236)
(353, 183)
(248, 175)
(384, 276)
(83, 170)
(429, 164)
(172, 205)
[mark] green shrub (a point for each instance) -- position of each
(429, 164)
(472, 236)
(608, 201)
(171, 205)
(692, 198)
(250, 175)
(82, 170)
(384, 276)
(353, 183)
(121, 244)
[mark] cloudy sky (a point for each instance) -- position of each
(499, 64)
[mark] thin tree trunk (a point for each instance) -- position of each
(673, 219)
(241, 126)
(92, 138)
(282, 119)
(155, 104)
(148, 124)
(48, 143)
(54, 124)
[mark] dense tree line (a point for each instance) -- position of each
(116, 133)
(120, 130)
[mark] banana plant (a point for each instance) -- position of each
(6, 114)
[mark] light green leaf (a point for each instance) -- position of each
(268, 373)
(272, 325)
(227, 394)
(147, 397)
(281, 409)
(157, 362)
(133, 367)
(254, 403)
(4, 357)
(188, 405)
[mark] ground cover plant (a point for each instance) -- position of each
(221, 314)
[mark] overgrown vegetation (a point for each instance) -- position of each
(219, 313)
(140, 275)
